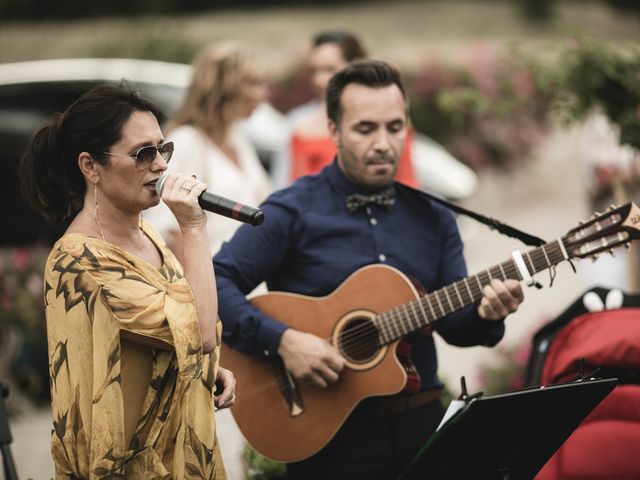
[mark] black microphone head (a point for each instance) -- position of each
(258, 218)
(160, 185)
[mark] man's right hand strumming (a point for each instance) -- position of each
(309, 358)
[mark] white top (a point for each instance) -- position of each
(246, 182)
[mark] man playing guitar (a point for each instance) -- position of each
(315, 235)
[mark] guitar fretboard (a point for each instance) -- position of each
(409, 317)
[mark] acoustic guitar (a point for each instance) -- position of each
(367, 319)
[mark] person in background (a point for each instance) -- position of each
(133, 336)
(310, 147)
(225, 88)
(322, 229)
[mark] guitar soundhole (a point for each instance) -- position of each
(359, 340)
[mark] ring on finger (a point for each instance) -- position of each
(187, 188)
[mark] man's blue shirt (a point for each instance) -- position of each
(310, 243)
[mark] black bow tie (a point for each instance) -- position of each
(385, 198)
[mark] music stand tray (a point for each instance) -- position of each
(507, 436)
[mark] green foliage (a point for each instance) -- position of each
(261, 468)
(625, 5)
(506, 372)
(490, 113)
(66, 9)
(594, 76)
(21, 287)
(23, 339)
(157, 41)
(537, 11)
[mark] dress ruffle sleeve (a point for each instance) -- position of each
(93, 291)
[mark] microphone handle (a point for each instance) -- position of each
(230, 208)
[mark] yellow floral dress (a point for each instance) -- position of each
(93, 290)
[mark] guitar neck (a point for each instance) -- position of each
(409, 317)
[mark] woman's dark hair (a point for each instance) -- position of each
(49, 176)
(348, 43)
(370, 73)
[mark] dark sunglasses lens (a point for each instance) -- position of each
(146, 154)
(166, 151)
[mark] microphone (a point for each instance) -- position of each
(223, 206)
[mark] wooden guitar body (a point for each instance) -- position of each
(287, 421)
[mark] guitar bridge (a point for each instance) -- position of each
(289, 388)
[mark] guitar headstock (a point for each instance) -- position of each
(605, 231)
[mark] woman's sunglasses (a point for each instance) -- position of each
(146, 155)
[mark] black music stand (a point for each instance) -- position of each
(5, 437)
(509, 436)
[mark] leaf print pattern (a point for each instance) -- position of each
(113, 361)
(93, 290)
(58, 359)
(72, 287)
(77, 430)
(60, 430)
(202, 454)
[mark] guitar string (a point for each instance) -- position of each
(351, 338)
(357, 343)
(354, 342)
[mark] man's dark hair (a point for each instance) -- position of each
(370, 73)
(349, 45)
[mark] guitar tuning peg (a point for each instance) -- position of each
(594, 257)
(612, 207)
(612, 252)
(581, 222)
(596, 214)
(627, 245)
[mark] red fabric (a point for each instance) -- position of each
(310, 155)
(606, 445)
(610, 337)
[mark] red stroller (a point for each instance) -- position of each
(607, 444)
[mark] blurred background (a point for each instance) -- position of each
(530, 111)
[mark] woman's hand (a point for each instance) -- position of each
(180, 193)
(226, 382)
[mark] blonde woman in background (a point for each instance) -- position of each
(225, 88)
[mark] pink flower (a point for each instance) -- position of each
(6, 302)
(524, 84)
(21, 258)
(521, 356)
(516, 382)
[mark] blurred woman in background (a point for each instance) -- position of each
(225, 88)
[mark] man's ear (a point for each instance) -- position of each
(88, 166)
